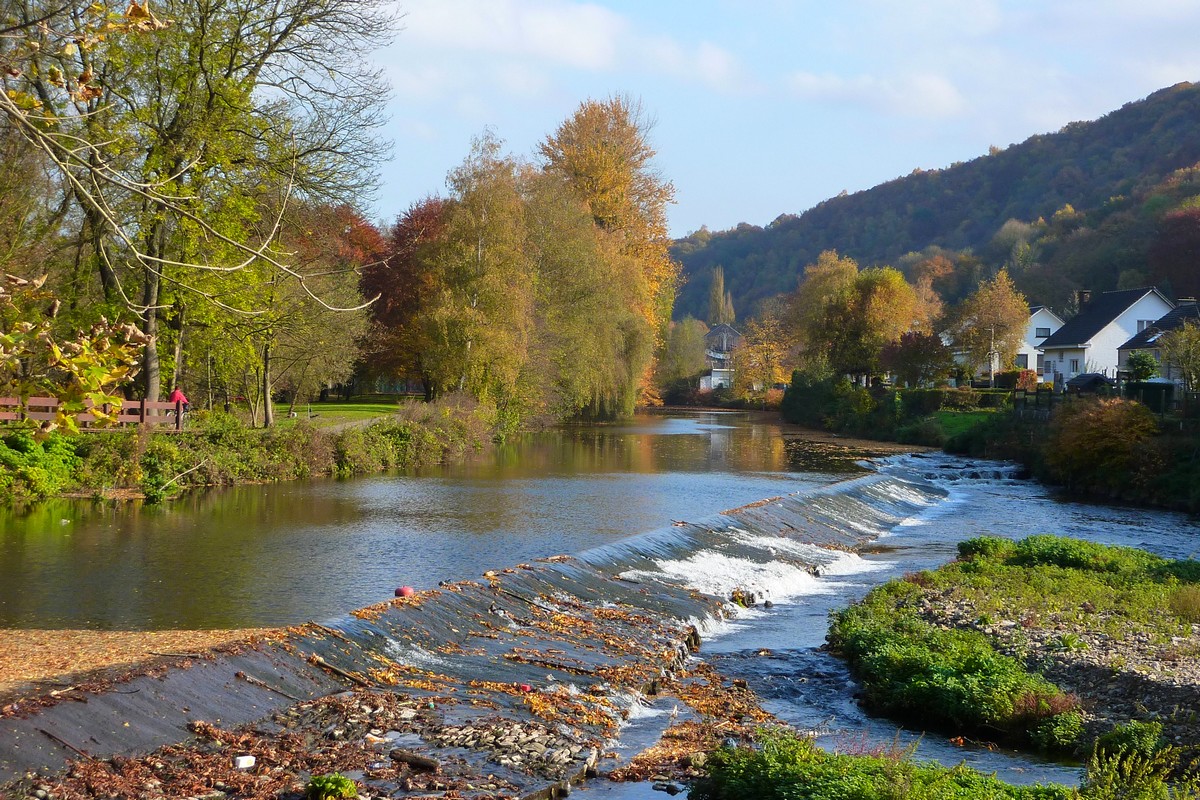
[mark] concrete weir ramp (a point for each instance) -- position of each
(511, 685)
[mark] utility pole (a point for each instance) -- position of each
(992, 359)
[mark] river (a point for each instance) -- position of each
(310, 550)
(271, 555)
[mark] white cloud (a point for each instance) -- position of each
(578, 35)
(916, 94)
(507, 44)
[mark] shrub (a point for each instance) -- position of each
(1079, 554)
(913, 670)
(806, 400)
(32, 470)
(1094, 445)
(1185, 603)
(1125, 738)
(786, 766)
(334, 786)
(1060, 733)
(989, 547)
(927, 432)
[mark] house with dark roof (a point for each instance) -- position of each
(1147, 338)
(1043, 323)
(719, 344)
(1088, 342)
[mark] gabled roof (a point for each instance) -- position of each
(1033, 310)
(1097, 314)
(721, 327)
(1170, 321)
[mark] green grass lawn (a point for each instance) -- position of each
(956, 422)
(336, 412)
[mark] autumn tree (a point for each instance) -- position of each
(166, 127)
(1175, 252)
(82, 368)
(604, 154)
(405, 284)
(480, 323)
(590, 340)
(682, 359)
(870, 313)
(759, 360)
(989, 326)
(917, 358)
(822, 283)
(1181, 349)
(720, 302)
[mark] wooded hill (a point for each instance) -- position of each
(1101, 204)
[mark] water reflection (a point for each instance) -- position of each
(272, 555)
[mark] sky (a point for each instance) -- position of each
(768, 107)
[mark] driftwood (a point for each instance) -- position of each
(67, 744)
(253, 681)
(335, 633)
(415, 760)
(320, 662)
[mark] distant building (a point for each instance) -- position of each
(1147, 338)
(1043, 323)
(719, 344)
(1089, 341)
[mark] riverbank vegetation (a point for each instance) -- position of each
(218, 449)
(1049, 644)
(1039, 643)
(787, 766)
(782, 765)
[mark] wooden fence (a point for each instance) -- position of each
(152, 413)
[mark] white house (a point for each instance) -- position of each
(1088, 341)
(719, 344)
(1043, 323)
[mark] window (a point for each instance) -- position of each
(1074, 365)
(1042, 333)
(1022, 361)
(1144, 323)
(1041, 364)
(1158, 356)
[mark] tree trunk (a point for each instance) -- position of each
(179, 328)
(268, 406)
(151, 378)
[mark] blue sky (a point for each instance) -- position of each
(768, 107)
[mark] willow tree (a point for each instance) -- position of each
(480, 322)
(167, 126)
(604, 154)
(591, 343)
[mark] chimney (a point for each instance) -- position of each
(1082, 298)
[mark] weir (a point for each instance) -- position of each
(513, 684)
